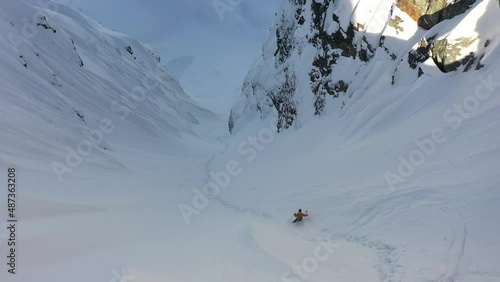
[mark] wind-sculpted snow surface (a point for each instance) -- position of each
(100, 135)
(403, 156)
(324, 55)
(400, 185)
(73, 92)
(332, 258)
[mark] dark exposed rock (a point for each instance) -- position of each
(25, 64)
(417, 8)
(282, 98)
(80, 58)
(479, 65)
(129, 50)
(420, 72)
(285, 41)
(428, 13)
(302, 20)
(366, 51)
(381, 41)
(80, 115)
(155, 56)
(341, 86)
(299, 17)
(284, 103)
(420, 55)
(230, 123)
(445, 53)
(332, 46)
(45, 24)
(428, 20)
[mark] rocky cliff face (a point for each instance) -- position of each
(322, 52)
(428, 13)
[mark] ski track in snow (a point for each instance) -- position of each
(388, 267)
(240, 210)
(391, 205)
(351, 250)
(226, 204)
(119, 207)
(456, 252)
(416, 198)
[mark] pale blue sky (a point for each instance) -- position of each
(155, 18)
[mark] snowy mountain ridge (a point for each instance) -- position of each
(75, 82)
(320, 54)
(401, 182)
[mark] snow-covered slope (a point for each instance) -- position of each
(66, 80)
(399, 174)
(101, 135)
(324, 55)
(401, 185)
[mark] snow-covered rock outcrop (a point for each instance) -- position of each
(321, 53)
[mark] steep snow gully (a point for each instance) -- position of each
(398, 169)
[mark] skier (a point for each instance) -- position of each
(299, 215)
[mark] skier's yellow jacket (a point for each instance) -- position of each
(300, 215)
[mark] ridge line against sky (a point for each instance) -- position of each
(208, 45)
